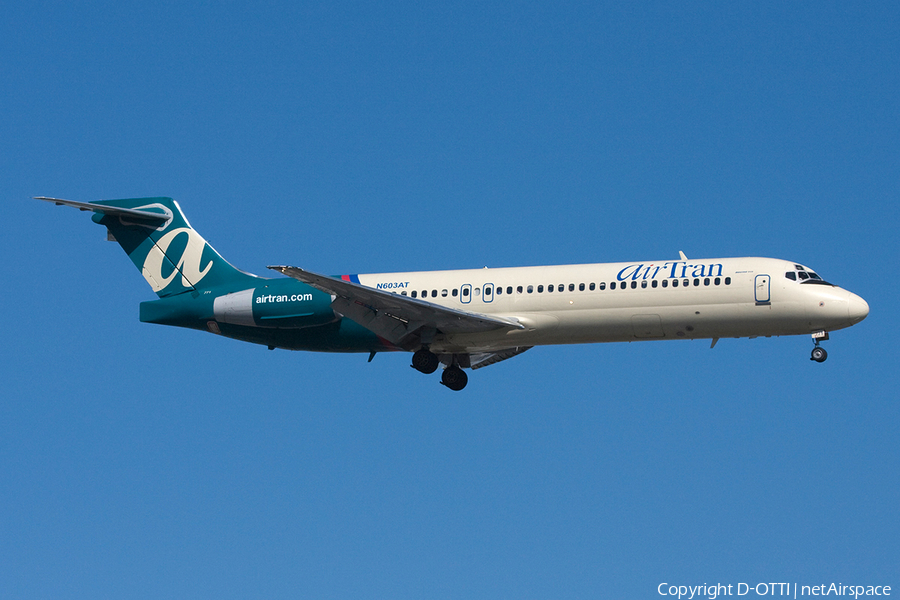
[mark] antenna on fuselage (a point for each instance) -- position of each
(683, 257)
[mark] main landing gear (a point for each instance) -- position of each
(426, 361)
(454, 378)
(818, 353)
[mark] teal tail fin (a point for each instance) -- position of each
(158, 239)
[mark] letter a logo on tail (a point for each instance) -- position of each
(160, 242)
(188, 265)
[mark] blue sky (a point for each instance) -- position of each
(139, 461)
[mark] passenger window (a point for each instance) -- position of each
(728, 281)
(634, 285)
(499, 290)
(655, 283)
(602, 286)
(509, 289)
(465, 292)
(549, 288)
(717, 281)
(477, 291)
(674, 283)
(540, 289)
(443, 293)
(519, 289)
(665, 283)
(791, 275)
(612, 285)
(453, 292)
(591, 287)
(414, 293)
(403, 293)
(530, 288)
(572, 287)
(696, 282)
(434, 293)
(686, 283)
(706, 281)
(580, 287)
(644, 284)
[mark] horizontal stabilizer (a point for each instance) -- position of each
(146, 216)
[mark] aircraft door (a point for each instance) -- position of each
(488, 292)
(762, 289)
(465, 293)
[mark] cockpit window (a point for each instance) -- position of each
(809, 277)
(814, 278)
(791, 275)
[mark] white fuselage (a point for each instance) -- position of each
(616, 302)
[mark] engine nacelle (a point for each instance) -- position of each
(281, 304)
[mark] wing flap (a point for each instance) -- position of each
(485, 359)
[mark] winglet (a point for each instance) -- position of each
(683, 257)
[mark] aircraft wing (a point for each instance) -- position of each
(398, 319)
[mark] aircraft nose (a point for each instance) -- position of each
(858, 309)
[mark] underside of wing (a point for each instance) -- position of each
(401, 320)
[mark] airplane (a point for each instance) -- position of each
(466, 319)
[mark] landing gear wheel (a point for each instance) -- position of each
(818, 354)
(454, 378)
(425, 361)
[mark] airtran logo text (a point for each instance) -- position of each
(283, 298)
(188, 264)
(669, 270)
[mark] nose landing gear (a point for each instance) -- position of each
(818, 353)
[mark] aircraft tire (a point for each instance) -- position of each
(454, 378)
(425, 361)
(818, 354)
